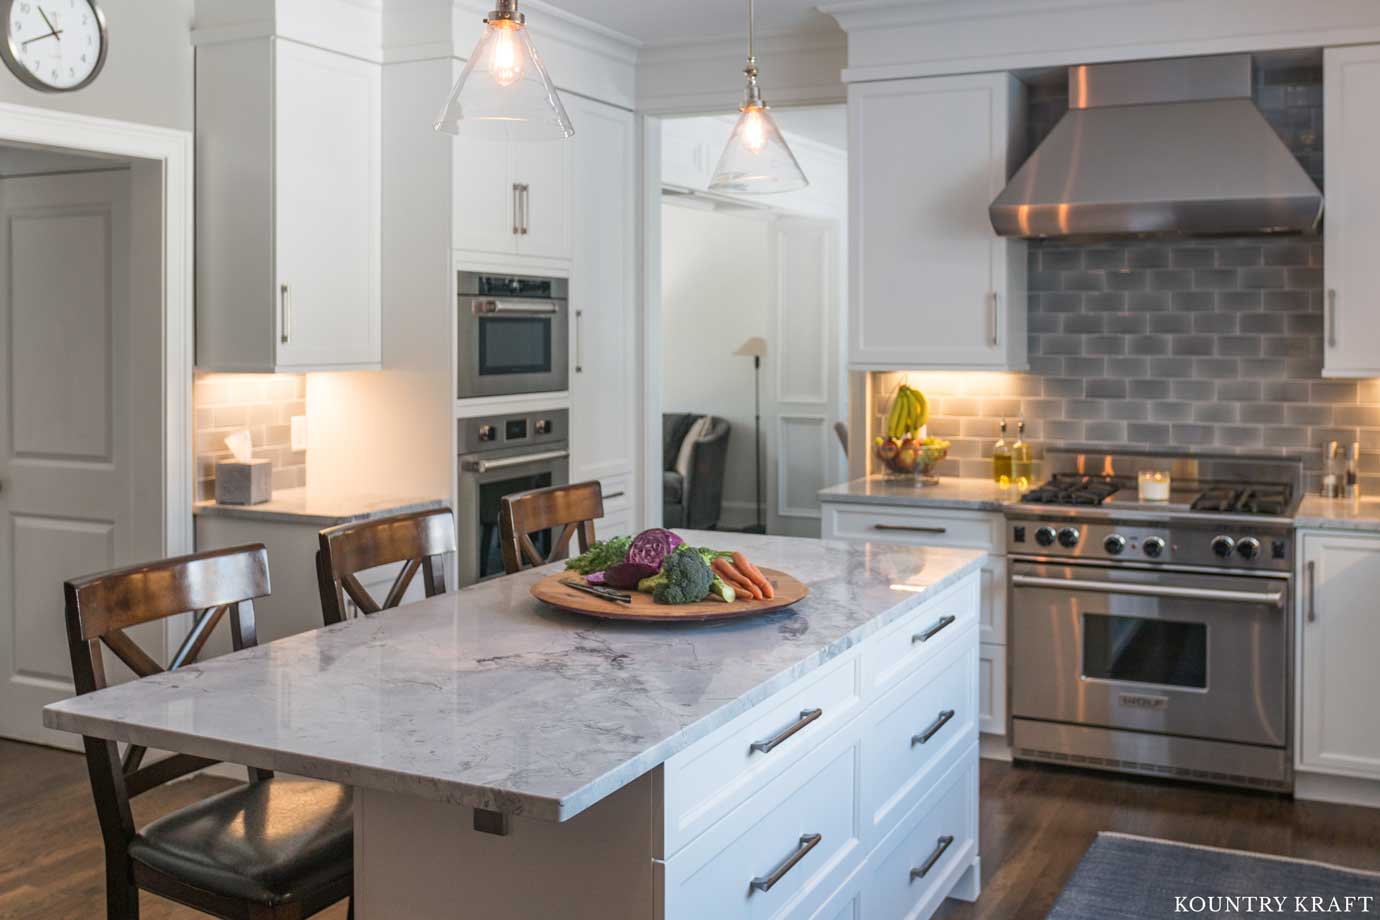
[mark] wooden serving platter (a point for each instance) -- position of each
(643, 609)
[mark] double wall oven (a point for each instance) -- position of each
(512, 333)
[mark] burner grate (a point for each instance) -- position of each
(1071, 489)
(1243, 500)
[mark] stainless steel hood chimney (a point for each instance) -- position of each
(1160, 148)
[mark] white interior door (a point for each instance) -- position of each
(804, 365)
(68, 497)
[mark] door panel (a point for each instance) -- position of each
(545, 170)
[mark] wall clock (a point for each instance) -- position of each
(53, 45)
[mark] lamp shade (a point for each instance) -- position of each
(756, 160)
(755, 347)
(504, 93)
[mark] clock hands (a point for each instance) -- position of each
(53, 31)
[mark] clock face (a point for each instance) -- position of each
(56, 45)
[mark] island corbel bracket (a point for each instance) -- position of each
(491, 822)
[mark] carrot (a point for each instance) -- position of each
(752, 572)
(735, 578)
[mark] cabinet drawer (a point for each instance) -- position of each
(709, 778)
(892, 654)
(795, 845)
(915, 526)
(920, 864)
(617, 490)
(917, 730)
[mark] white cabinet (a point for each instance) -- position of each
(1351, 226)
(931, 284)
(288, 149)
(513, 199)
(1339, 632)
(603, 335)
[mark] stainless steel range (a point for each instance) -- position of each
(1156, 637)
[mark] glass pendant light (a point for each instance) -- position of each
(756, 160)
(504, 92)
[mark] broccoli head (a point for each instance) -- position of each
(686, 579)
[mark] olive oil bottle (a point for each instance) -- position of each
(1022, 467)
(1001, 460)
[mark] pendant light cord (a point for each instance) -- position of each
(752, 60)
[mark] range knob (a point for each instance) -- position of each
(1249, 548)
(1222, 546)
(1154, 547)
(1045, 536)
(1068, 537)
(1114, 544)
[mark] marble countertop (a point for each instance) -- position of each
(487, 698)
(970, 494)
(319, 508)
(1339, 514)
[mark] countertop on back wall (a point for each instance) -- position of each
(1339, 514)
(951, 492)
(320, 508)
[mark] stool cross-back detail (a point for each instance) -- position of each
(420, 539)
(275, 849)
(571, 508)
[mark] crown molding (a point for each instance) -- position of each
(874, 14)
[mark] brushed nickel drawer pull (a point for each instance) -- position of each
(907, 528)
(613, 495)
(934, 630)
(806, 717)
(935, 726)
(807, 843)
(285, 295)
(944, 843)
(1312, 571)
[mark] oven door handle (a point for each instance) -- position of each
(484, 466)
(529, 308)
(1272, 598)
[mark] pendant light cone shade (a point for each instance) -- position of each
(504, 93)
(757, 160)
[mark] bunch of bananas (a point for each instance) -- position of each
(909, 412)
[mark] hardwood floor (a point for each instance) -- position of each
(1036, 824)
(52, 866)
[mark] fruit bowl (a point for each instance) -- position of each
(909, 459)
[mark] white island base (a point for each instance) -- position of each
(877, 794)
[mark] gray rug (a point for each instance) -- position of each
(1138, 878)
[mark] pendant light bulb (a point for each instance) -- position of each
(504, 92)
(756, 160)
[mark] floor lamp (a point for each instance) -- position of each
(756, 348)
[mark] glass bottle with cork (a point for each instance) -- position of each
(1022, 466)
(1001, 460)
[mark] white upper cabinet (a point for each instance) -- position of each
(603, 396)
(288, 206)
(931, 284)
(513, 199)
(1339, 631)
(1351, 224)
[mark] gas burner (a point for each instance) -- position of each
(1243, 499)
(1072, 489)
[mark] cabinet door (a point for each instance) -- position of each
(326, 209)
(543, 171)
(484, 203)
(1352, 226)
(1339, 722)
(932, 286)
(603, 403)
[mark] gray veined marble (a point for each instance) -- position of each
(488, 698)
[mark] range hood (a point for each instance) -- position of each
(1160, 148)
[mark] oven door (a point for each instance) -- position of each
(484, 480)
(512, 346)
(1188, 654)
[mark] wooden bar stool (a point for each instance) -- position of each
(420, 539)
(572, 508)
(275, 849)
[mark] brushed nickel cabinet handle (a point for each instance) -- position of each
(934, 728)
(579, 343)
(806, 717)
(996, 319)
(908, 528)
(285, 320)
(517, 208)
(807, 843)
(1312, 571)
(526, 203)
(613, 495)
(927, 635)
(1331, 317)
(924, 868)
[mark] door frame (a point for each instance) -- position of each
(170, 152)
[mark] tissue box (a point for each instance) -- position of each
(244, 482)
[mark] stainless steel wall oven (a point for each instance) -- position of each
(512, 334)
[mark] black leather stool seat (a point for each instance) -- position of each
(262, 842)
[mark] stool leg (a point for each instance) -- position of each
(121, 896)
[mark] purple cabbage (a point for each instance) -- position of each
(626, 575)
(651, 547)
(595, 578)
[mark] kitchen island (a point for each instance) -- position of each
(509, 760)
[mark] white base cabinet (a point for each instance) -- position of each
(1338, 683)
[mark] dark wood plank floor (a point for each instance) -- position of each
(1036, 824)
(52, 866)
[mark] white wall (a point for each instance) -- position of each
(148, 74)
(717, 283)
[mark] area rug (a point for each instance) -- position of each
(1140, 878)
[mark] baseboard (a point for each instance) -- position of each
(994, 747)
(1341, 790)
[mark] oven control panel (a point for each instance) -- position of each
(531, 430)
(1239, 547)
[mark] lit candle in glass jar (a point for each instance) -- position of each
(1154, 486)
